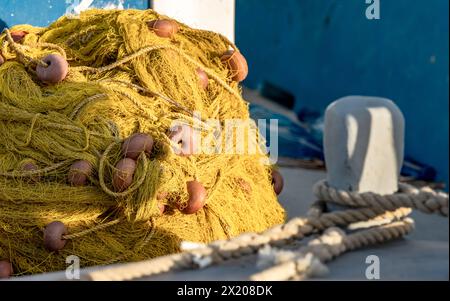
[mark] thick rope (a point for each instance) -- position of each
(426, 200)
(396, 226)
(330, 245)
(351, 216)
(137, 270)
(206, 255)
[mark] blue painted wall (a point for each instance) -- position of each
(43, 12)
(321, 50)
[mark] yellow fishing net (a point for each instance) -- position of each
(123, 78)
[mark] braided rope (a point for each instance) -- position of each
(393, 210)
(141, 269)
(425, 200)
(333, 243)
(214, 253)
(347, 217)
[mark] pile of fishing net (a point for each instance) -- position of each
(100, 121)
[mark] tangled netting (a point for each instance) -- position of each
(123, 78)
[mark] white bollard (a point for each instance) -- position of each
(363, 143)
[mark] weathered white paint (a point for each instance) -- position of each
(363, 144)
(214, 15)
(75, 7)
